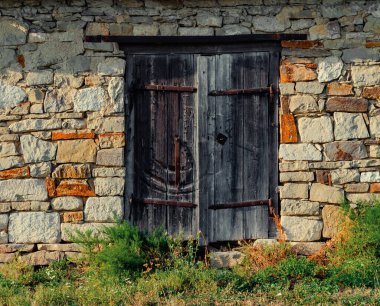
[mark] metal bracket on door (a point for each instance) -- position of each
(243, 91)
(173, 88)
(243, 204)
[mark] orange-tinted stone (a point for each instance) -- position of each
(300, 44)
(371, 92)
(15, 173)
(284, 100)
(112, 140)
(288, 129)
(21, 60)
(73, 216)
(78, 188)
(372, 43)
(339, 89)
(323, 177)
(347, 104)
(50, 186)
(375, 187)
(62, 135)
(295, 73)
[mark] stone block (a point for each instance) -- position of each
(76, 151)
(67, 203)
(349, 126)
(347, 104)
(108, 172)
(13, 248)
(8, 149)
(224, 260)
(116, 93)
(343, 176)
(306, 248)
(229, 29)
(299, 151)
(268, 24)
(41, 258)
(294, 191)
(34, 227)
(10, 162)
(78, 188)
(299, 208)
(67, 247)
(107, 125)
(296, 73)
(111, 140)
(7, 57)
(104, 209)
(359, 187)
(59, 100)
(330, 68)
(44, 77)
(89, 99)
(11, 96)
(109, 186)
(15, 173)
(3, 222)
(345, 150)
(288, 130)
(110, 157)
(112, 66)
(286, 88)
(374, 126)
(365, 75)
(332, 217)
(362, 197)
(371, 93)
(36, 150)
(330, 30)
(296, 177)
(69, 134)
(313, 87)
(315, 130)
(326, 194)
(198, 31)
(370, 177)
(73, 217)
(29, 125)
(339, 89)
(39, 206)
(303, 104)
(360, 54)
(301, 228)
(294, 166)
(13, 32)
(23, 190)
(40, 170)
(145, 30)
(72, 171)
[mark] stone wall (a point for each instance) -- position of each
(62, 132)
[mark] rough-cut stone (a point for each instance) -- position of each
(374, 126)
(67, 203)
(111, 140)
(316, 130)
(365, 75)
(78, 188)
(301, 228)
(73, 216)
(5, 258)
(306, 248)
(15, 173)
(109, 186)
(349, 126)
(89, 99)
(3, 222)
(375, 187)
(360, 54)
(362, 197)
(30, 125)
(116, 93)
(72, 171)
(104, 209)
(310, 87)
(67, 135)
(12, 32)
(43, 77)
(339, 89)
(23, 190)
(345, 150)
(68, 230)
(303, 104)
(326, 194)
(294, 191)
(374, 150)
(330, 68)
(225, 260)
(343, 176)
(7, 57)
(108, 172)
(296, 177)
(59, 100)
(76, 151)
(110, 157)
(296, 73)
(265, 242)
(11, 96)
(198, 31)
(7, 149)
(332, 217)
(67, 247)
(41, 258)
(299, 151)
(10, 162)
(330, 30)
(112, 66)
(359, 187)
(371, 92)
(106, 125)
(34, 227)
(347, 104)
(39, 206)
(288, 129)
(286, 88)
(299, 208)
(40, 169)
(268, 24)
(372, 25)
(36, 150)
(13, 248)
(229, 29)
(370, 177)
(294, 166)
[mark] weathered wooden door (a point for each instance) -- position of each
(236, 152)
(203, 155)
(162, 96)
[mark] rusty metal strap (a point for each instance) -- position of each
(243, 91)
(267, 202)
(175, 88)
(150, 201)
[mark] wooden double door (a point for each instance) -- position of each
(202, 155)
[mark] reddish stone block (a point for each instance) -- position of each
(50, 186)
(323, 177)
(21, 60)
(375, 187)
(73, 216)
(371, 93)
(300, 44)
(78, 188)
(15, 173)
(284, 100)
(288, 129)
(296, 73)
(339, 89)
(347, 104)
(372, 43)
(62, 135)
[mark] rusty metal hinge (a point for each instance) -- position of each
(242, 204)
(175, 88)
(242, 91)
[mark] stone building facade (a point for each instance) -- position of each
(62, 110)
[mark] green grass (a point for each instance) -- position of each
(128, 267)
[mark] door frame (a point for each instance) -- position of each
(205, 46)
